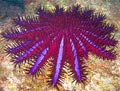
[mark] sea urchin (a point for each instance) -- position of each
(64, 35)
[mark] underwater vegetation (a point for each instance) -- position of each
(66, 36)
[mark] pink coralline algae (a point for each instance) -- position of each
(65, 35)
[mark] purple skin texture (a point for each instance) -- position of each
(63, 35)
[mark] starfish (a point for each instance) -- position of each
(64, 35)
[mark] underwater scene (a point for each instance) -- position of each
(59, 45)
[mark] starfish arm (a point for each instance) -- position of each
(59, 62)
(106, 29)
(24, 34)
(42, 59)
(75, 9)
(93, 20)
(76, 64)
(86, 14)
(59, 10)
(99, 28)
(102, 29)
(43, 16)
(28, 53)
(19, 47)
(96, 49)
(100, 40)
(82, 51)
(73, 60)
(96, 19)
(36, 48)
(29, 22)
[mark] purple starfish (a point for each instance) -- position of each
(64, 35)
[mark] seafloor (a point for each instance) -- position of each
(102, 76)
